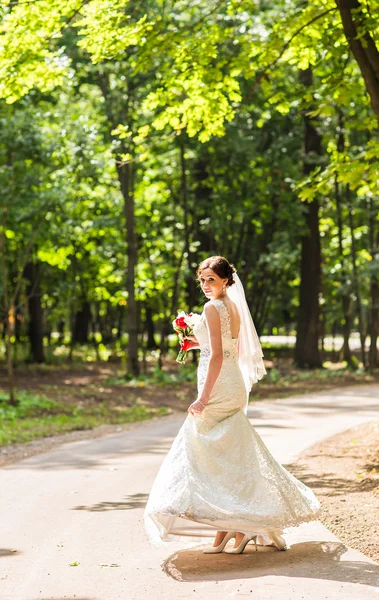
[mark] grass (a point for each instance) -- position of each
(37, 416)
(63, 396)
(159, 377)
(284, 379)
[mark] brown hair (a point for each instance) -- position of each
(220, 265)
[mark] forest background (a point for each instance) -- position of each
(138, 138)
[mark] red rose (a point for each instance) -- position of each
(185, 345)
(181, 323)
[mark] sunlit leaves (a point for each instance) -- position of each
(56, 257)
(29, 52)
(107, 30)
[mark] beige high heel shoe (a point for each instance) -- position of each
(242, 545)
(214, 549)
(279, 542)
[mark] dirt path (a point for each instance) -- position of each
(344, 473)
(71, 519)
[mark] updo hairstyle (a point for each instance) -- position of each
(222, 267)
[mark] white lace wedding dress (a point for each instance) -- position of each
(218, 473)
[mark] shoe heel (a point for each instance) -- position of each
(220, 547)
(279, 542)
(241, 547)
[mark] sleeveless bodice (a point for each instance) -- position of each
(230, 376)
(229, 344)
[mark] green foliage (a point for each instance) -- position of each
(204, 103)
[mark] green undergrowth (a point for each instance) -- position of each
(289, 381)
(327, 373)
(160, 377)
(281, 376)
(37, 416)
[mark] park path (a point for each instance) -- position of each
(83, 502)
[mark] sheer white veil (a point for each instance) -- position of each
(250, 353)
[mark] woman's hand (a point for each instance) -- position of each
(197, 407)
(192, 340)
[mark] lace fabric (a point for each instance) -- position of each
(218, 473)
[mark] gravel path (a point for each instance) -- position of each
(344, 473)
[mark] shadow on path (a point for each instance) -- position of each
(8, 552)
(131, 501)
(311, 560)
(336, 485)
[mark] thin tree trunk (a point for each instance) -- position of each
(9, 316)
(356, 28)
(346, 302)
(307, 348)
(35, 325)
(60, 328)
(203, 206)
(92, 325)
(190, 280)
(166, 325)
(374, 287)
(126, 176)
(82, 322)
(357, 290)
(121, 113)
(120, 314)
(151, 344)
(72, 307)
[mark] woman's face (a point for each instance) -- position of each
(211, 283)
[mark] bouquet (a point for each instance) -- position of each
(183, 325)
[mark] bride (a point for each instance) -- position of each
(218, 477)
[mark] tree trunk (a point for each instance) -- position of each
(119, 110)
(203, 205)
(9, 334)
(307, 349)
(150, 327)
(374, 287)
(35, 325)
(356, 281)
(60, 328)
(82, 323)
(190, 276)
(167, 323)
(120, 315)
(356, 28)
(125, 175)
(345, 353)
(9, 316)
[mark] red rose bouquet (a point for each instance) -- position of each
(183, 325)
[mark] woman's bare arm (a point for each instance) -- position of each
(215, 361)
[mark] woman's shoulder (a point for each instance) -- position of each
(217, 304)
(214, 303)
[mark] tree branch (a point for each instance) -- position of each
(285, 46)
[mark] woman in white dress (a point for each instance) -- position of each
(218, 477)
